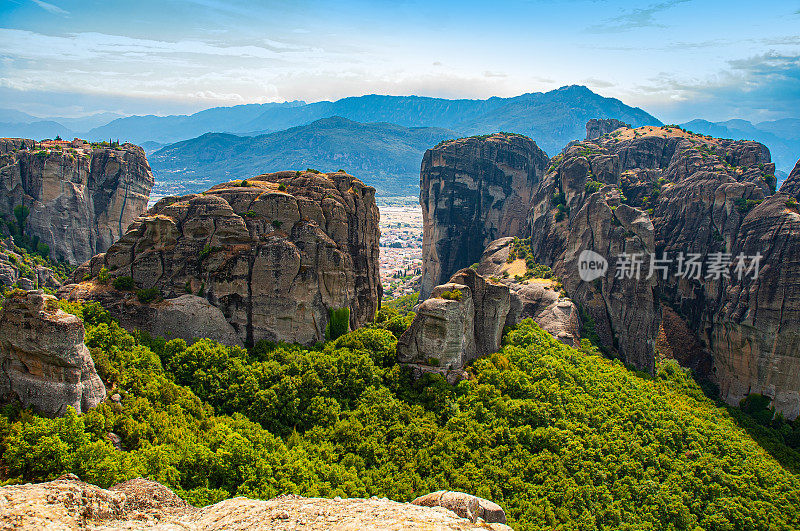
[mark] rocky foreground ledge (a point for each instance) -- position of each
(68, 503)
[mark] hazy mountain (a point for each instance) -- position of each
(782, 137)
(169, 129)
(383, 155)
(552, 118)
(36, 130)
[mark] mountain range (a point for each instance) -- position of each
(384, 155)
(382, 137)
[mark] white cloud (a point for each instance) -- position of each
(50, 8)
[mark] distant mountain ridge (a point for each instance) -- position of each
(383, 155)
(551, 118)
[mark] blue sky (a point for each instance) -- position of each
(678, 59)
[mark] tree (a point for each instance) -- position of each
(21, 213)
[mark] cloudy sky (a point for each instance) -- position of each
(678, 59)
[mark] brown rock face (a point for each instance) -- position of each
(140, 504)
(448, 333)
(45, 364)
(274, 256)
(473, 191)
(662, 191)
(81, 199)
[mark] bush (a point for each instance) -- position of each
(339, 322)
(282, 187)
(103, 276)
(148, 295)
(454, 295)
(123, 283)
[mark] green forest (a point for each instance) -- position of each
(561, 438)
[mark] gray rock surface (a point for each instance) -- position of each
(45, 364)
(81, 199)
(472, 191)
(140, 504)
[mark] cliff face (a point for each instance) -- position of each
(273, 256)
(657, 193)
(81, 198)
(43, 361)
(473, 191)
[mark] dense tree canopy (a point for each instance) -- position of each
(561, 438)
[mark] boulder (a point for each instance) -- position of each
(45, 364)
(464, 505)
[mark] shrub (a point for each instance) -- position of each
(103, 276)
(454, 295)
(123, 283)
(593, 186)
(282, 187)
(148, 295)
(276, 224)
(339, 322)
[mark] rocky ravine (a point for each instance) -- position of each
(473, 191)
(81, 198)
(140, 504)
(43, 361)
(266, 258)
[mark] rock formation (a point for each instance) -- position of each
(43, 361)
(659, 194)
(464, 505)
(140, 504)
(267, 258)
(17, 270)
(624, 219)
(473, 191)
(596, 128)
(464, 319)
(80, 197)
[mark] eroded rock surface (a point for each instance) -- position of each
(81, 198)
(45, 364)
(141, 504)
(273, 254)
(473, 191)
(663, 192)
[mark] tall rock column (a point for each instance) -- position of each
(80, 197)
(473, 191)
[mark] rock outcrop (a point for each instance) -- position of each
(273, 255)
(80, 197)
(43, 361)
(139, 504)
(464, 505)
(666, 198)
(473, 191)
(596, 128)
(17, 270)
(464, 319)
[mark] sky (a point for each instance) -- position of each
(677, 59)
